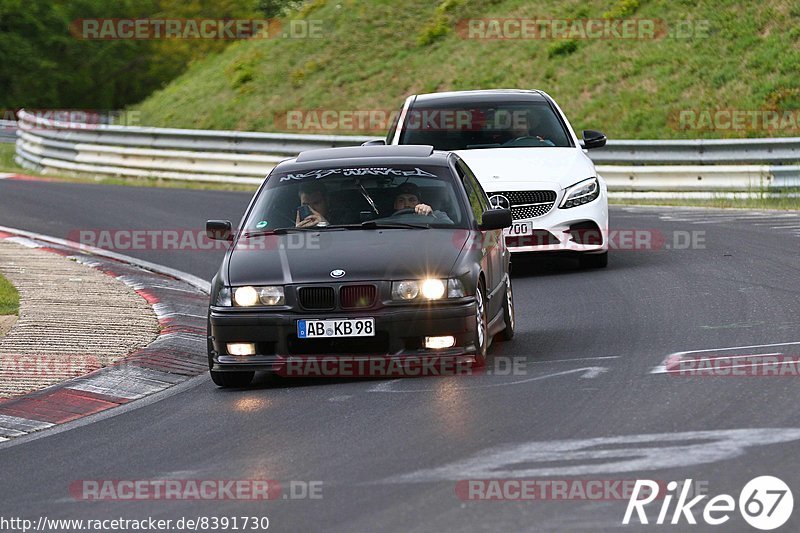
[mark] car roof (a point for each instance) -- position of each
(380, 155)
(490, 95)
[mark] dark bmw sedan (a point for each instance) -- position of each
(387, 253)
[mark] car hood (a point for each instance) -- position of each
(504, 169)
(309, 257)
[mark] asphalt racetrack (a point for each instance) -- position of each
(591, 397)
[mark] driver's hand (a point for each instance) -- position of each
(423, 209)
(314, 219)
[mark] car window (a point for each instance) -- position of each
(393, 127)
(484, 125)
(475, 184)
(352, 195)
(477, 199)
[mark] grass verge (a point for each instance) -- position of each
(9, 298)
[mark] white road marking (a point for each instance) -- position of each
(342, 398)
(671, 358)
(589, 372)
(572, 360)
(24, 242)
(22, 424)
(602, 455)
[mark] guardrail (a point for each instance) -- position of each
(246, 157)
(8, 131)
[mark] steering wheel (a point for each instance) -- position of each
(517, 140)
(406, 211)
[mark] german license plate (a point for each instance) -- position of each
(345, 327)
(519, 228)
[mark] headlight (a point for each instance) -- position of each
(427, 289)
(251, 296)
(245, 296)
(581, 193)
(405, 290)
(433, 289)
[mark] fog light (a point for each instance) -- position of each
(241, 348)
(437, 343)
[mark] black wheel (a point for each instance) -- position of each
(232, 379)
(594, 260)
(225, 379)
(481, 326)
(508, 314)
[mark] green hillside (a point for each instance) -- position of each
(731, 56)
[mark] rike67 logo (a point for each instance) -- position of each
(765, 502)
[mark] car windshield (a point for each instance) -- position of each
(358, 198)
(484, 125)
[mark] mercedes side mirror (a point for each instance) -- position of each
(593, 139)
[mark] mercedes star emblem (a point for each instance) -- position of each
(498, 201)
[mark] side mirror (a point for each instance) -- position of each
(374, 142)
(219, 230)
(496, 219)
(593, 139)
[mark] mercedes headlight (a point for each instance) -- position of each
(581, 193)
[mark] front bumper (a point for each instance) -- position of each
(399, 334)
(553, 231)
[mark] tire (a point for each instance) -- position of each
(594, 260)
(481, 326)
(232, 379)
(225, 379)
(509, 319)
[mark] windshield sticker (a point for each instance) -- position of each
(263, 224)
(374, 171)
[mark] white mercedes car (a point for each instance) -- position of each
(526, 156)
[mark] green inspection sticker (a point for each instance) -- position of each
(262, 224)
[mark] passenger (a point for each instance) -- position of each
(315, 196)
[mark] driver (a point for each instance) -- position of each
(526, 126)
(407, 196)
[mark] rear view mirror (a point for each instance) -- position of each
(218, 230)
